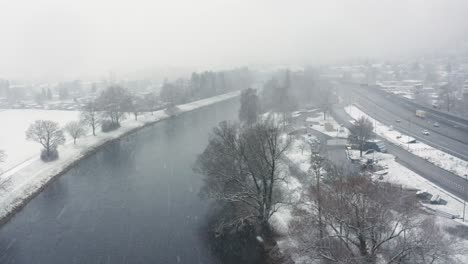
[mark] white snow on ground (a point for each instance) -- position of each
(26, 178)
(437, 157)
(280, 221)
(397, 174)
(299, 154)
(12, 135)
(400, 175)
(329, 126)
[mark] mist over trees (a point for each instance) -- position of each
(288, 90)
(151, 102)
(205, 84)
(277, 94)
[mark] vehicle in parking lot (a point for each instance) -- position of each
(436, 124)
(398, 121)
(425, 132)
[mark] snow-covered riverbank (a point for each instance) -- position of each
(22, 180)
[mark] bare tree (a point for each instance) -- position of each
(242, 167)
(114, 103)
(368, 222)
(446, 95)
(277, 96)
(317, 166)
(361, 132)
(48, 134)
(75, 130)
(90, 116)
(250, 106)
(151, 102)
(325, 101)
(135, 105)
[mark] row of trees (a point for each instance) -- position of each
(113, 104)
(287, 90)
(110, 108)
(205, 84)
(50, 135)
(106, 111)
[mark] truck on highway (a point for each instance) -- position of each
(421, 113)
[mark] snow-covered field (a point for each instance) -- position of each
(435, 156)
(12, 135)
(27, 173)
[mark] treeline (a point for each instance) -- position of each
(205, 84)
(288, 90)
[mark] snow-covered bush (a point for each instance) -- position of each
(108, 126)
(51, 156)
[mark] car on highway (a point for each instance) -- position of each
(425, 132)
(436, 124)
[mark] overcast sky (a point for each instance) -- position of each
(74, 38)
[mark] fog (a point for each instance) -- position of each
(57, 39)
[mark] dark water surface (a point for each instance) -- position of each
(135, 201)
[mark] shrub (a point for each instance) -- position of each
(108, 126)
(53, 155)
(172, 110)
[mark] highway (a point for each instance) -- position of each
(445, 179)
(385, 109)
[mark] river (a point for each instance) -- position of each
(134, 201)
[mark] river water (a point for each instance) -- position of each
(134, 201)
